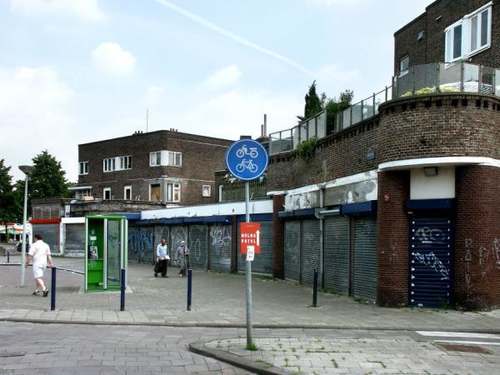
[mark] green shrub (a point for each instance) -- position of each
(305, 150)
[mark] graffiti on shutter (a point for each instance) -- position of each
(292, 250)
(310, 250)
(220, 243)
(140, 244)
(365, 269)
(431, 248)
(336, 254)
(178, 233)
(198, 245)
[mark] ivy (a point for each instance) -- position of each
(305, 150)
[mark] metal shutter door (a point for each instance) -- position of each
(178, 233)
(198, 246)
(365, 269)
(263, 262)
(336, 254)
(310, 250)
(430, 269)
(220, 242)
(74, 240)
(292, 250)
(140, 244)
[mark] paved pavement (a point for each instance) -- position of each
(218, 299)
(369, 352)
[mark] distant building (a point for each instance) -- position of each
(163, 166)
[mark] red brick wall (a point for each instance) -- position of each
(477, 248)
(392, 242)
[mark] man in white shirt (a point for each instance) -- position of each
(162, 258)
(39, 256)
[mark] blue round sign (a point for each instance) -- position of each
(246, 159)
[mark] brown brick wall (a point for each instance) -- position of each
(438, 16)
(477, 248)
(392, 241)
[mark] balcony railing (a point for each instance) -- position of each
(419, 80)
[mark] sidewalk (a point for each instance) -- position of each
(218, 301)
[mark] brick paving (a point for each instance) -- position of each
(218, 299)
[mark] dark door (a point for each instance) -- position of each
(365, 260)
(292, 250)
(336, 254)
(431, 249)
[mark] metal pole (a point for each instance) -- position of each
(248, 276)
(190, 288)
(8, 256)
(25, 219)
(315, 288)
(122, 290)
(53, 289)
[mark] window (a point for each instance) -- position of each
(84, 167)
(468, 36)
(127, 193)
(173, 192)
(165, 158)
(106, 193)
(404, 65)
(125, 162)
(155, 158)
(155, 192)
(206, 191)
(109, 165)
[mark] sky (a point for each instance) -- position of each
(77, 71)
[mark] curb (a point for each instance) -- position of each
(238, 325)
(236, 360)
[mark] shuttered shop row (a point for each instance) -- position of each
(349, 257)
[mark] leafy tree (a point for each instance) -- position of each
(47, 179)
(7, 197)
(313, 102)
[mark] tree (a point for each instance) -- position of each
(7, 197)
(47, 180)
(333, 105)
(313, 102)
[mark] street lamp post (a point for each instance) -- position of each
(26, 169)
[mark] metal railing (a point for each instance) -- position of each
(418, 80)
(287, 140)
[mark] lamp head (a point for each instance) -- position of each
(26, 169)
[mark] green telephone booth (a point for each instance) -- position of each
(106, 251)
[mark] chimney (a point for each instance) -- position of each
(245, 137)
(264, 134)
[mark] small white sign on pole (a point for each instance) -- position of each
(250, 253)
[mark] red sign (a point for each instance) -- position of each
(249, 236)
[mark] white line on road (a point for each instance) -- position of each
(459, 334)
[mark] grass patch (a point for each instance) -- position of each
(252, 347)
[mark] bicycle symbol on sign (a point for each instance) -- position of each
(247, 164)
(243, 151)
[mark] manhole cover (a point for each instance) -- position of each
(464, 348)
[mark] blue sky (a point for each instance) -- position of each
(74, 71)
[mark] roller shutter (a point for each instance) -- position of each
(310, 250)
(336, 254)
(365, 268)
(292, 250)
(198, 246)
(74, 240)
(220, 243)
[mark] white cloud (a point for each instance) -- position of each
(87, 10)
(36, 114)
(111, 58)
(223, 77)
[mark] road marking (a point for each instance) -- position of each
(459, 334)
(469, 342)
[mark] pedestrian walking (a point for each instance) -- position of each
(182, 255)
(39, 256)
(162, 258)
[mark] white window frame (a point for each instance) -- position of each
(404, 72)
(466, 45)
(125, 189)
(151, 184)
(206, 188)
(104, 191)
(125, 162)
(173, 191)
(109, 165)
(166, 158)
(153, 159)
(85, 170)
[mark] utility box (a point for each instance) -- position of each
(106, 248)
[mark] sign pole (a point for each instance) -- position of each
(248, 276)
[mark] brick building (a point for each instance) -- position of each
(399, 203)
(161, 166)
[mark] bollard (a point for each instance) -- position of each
(122, 290)
(8, 256)
(190, 288)
(315, 289)
(53, 289)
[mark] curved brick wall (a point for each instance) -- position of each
(439, 125)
